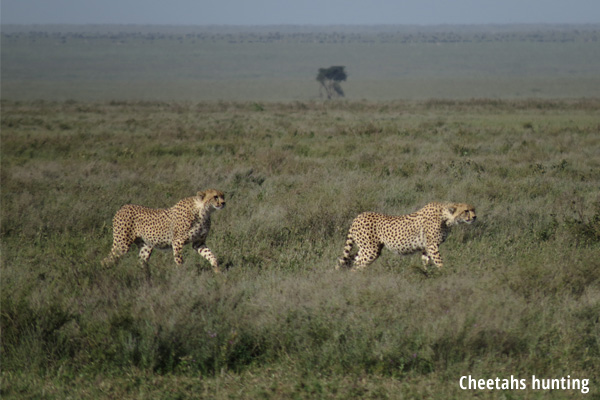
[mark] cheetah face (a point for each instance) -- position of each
(463, 213)
(214, 198)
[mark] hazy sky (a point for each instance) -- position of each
(318, 12)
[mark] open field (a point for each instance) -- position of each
(96, 63)
(519, 295)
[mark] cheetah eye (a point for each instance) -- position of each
(216, 197)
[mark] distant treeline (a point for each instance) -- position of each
(443, 34)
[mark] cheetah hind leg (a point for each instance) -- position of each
(366, 256)
(425, 258)
(145, 253)
(118, 250)
(110, 260)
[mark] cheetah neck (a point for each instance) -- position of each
(447, 218)
(204, 210)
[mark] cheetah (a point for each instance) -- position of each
(188, 221)
(422, 231)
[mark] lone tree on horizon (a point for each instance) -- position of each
(330, 79)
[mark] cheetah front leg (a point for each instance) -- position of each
(205, 252)
(433, 254)
(177, 247)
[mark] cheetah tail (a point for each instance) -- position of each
(344, 260)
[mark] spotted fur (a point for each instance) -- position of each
(188, 221)
(422, 231)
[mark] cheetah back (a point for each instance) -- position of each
(152, 226)
(403, 234)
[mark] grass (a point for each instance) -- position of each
(520, 293)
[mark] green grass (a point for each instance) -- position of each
(520, 293)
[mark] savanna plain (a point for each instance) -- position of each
(519, 294)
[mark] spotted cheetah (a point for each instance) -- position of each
(422, 231)
(188, 221)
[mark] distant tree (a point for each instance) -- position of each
(330, 79)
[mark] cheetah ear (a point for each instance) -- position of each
(201, 194)
(452, 209)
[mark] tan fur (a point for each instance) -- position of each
(188, 221)
(422, 231)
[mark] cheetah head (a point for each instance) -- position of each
(212, 197)
(461, 213)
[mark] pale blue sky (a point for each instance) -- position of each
(310, 12)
